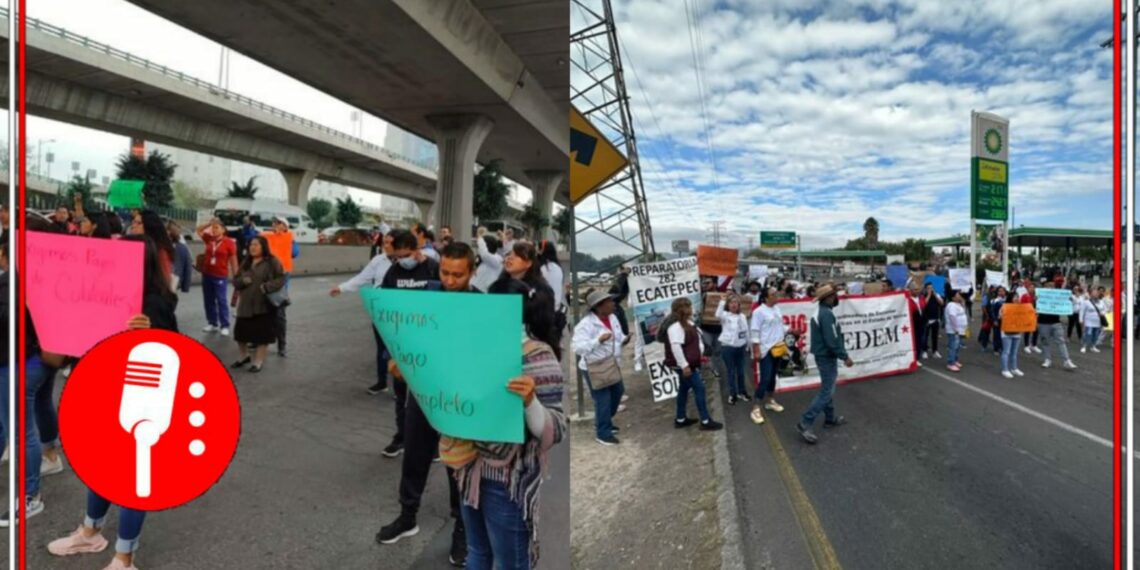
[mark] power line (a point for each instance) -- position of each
(716, 231)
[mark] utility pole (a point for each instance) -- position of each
(717, 228)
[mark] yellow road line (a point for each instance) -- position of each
(819, 546)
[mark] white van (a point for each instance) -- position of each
(233, 210)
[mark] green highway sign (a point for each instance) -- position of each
(777, 240)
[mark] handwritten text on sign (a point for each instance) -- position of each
(457, 352)
(82, 290)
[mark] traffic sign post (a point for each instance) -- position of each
(989, 181)
(593, 159)
(777, 240)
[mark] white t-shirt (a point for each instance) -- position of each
(552, 272)
(767, 327)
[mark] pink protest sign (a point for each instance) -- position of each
(82, 290)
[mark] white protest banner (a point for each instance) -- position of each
(855, 288)
(995, 279)
(877, 334)
(960, 280)
(758, 272)
(652, 289)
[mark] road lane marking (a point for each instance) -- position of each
(819, 546)
(1048, 419)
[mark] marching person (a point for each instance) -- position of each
(490, 262)
(932, 304)
(957, 320)
(283, 248)
(1077, 298)
(733, 341)
(371, 276)
(180, 279)
(620, 291)
(1029, 340)
(1052, 336)
(259, 276)
(768, 331)
(217, 264)
(1009, 340)
(996, 303)
(683, 355)
(1093, 319)
(827, 347)
(597, 341)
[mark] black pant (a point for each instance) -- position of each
(1029, 339)
(1075, 322)
(932, 336)
(281, 329)
(401, 390)
(381, 360)
(620, 312)
(421, 443)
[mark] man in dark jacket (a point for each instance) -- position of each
(827, 347)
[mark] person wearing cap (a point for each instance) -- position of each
(827, 347)
(281, 245)
(598, 338)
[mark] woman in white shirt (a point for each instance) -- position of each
(1091, 311)
(768, 330)
(552, 272)
(490, 263)
(1078, 297)
(733, 340)
(956, 322)
(598, 338)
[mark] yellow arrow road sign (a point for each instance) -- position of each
(593, 159)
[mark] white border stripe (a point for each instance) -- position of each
(1130, 287)
(13, 257)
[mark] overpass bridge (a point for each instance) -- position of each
(484, 79)
(74, 79)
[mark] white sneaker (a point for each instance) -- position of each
(937, 354)
(1046, 364)
(1017, 372)
(225, 332)
(1069, 364)
(1037, 349)
(774, 406)
(1028, 350)
(209, 329)
(1006, 373)
(1083, 350)
(49, 467)
(924, 355)
(1096, 350)
(757, 416)
(624, 398)
(918, 363)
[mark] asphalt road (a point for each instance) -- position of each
(932, 474)
(308, 487)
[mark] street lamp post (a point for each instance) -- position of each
(39, 155)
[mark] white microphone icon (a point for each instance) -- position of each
(149, 387)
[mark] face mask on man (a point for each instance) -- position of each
(408, 262)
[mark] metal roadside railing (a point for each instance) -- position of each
(105, 49)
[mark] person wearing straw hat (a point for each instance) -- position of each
(598, 339)
(827, 347)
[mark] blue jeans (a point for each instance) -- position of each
(828, 375)
(694, 383)
(1009, 345)
(38, 373)
(497, 534)
(606, 402)
(955, 342)
(130, 522)
(733, 357)
(217, 303)
(1092, 335)
(767, 382)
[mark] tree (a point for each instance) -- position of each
(348, 213)
(320, 211)
(490, 200)
(187, 196)
(871, 232)
(916, 249)
(247, 190)
(563, 223)
(79, 185)
(534, 219)
(156, 170)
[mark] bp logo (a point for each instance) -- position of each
(992, 141)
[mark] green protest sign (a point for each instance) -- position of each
(126, 193)
(457, 352)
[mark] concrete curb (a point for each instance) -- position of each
(732, 549)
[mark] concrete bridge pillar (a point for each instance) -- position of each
(458, 138)
(298, 183)
(544, 183)
(426, 212)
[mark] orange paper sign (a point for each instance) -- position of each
(1018, 318)
(716, 260)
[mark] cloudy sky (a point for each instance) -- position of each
(822, 113)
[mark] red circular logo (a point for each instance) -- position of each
(149, 419)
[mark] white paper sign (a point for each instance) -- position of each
(758, 272)
(995, 279)
(960, 279)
